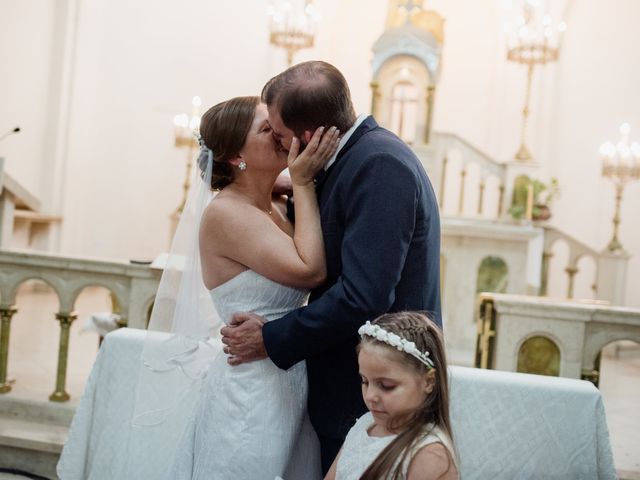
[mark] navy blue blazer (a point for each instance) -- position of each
(381, 232)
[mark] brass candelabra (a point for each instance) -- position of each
(532, 39)
(621, 165)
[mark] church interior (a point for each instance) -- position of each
(522, 113)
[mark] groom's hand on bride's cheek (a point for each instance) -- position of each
(243, 339)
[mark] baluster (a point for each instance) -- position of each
(443, 179)
(544, 280)
(65, 319)
(571, 272)
(375, 98)
(486, 334)
(5, 315)
(431, 90)
(481, 199)
(463, 174)
(501, 200)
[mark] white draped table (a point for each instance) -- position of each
(506, 425)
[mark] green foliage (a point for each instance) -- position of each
(543, 195)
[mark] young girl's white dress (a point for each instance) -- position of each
(360, 450)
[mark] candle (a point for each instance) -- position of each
(529, 215)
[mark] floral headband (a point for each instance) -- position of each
(395, 341)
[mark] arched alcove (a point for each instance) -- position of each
(540, 355)
(33, 341)
(558, 280)
(404, 110)
(585, 279)
(401, 106)
(92, 300)
(28, 282)
(493, 275)
(619, 384)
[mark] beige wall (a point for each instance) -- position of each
(95, 85)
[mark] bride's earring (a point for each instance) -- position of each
(242, 165)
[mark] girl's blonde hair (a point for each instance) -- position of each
(418, 328)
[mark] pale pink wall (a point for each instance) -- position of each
(139, 63)
(26, 30)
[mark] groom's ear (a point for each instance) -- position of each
(307, 136)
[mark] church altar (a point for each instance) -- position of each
(506, 425)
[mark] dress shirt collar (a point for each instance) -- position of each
(345, 139)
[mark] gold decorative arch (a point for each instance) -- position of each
(402, 12)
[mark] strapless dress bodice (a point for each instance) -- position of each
(251, 292)
(251, 421)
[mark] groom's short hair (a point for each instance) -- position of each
(310, 95)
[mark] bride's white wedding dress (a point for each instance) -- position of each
(250, 422)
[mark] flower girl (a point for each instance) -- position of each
(407, 432)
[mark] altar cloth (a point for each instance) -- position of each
(505, 425)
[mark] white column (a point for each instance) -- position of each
(63, 52)
(611, 283)
(7, 208)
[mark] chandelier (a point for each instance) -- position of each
(533, 38)
(292, 25)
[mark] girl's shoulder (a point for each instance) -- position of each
(432, 461)
(432, 456)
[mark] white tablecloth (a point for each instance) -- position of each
(517, 426)
(506, 425)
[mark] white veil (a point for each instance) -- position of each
(182, 337)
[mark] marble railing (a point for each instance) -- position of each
(456, 156)
(547, 336)
(132, 288)
(610, 277)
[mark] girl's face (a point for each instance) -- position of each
(390, 387)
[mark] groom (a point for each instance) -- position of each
(382, 239)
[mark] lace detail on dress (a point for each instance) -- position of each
(250, 416)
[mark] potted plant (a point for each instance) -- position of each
(543, 195)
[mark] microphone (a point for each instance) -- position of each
(10, 132)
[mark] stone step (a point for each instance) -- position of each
(36, 410)
(32, 435)
(12, 476)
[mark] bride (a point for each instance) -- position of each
(248, 418)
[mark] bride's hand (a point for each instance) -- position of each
(320, 149)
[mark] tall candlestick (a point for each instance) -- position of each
(529, 215)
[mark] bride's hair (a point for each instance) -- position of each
(426, 335)
(224, 128)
